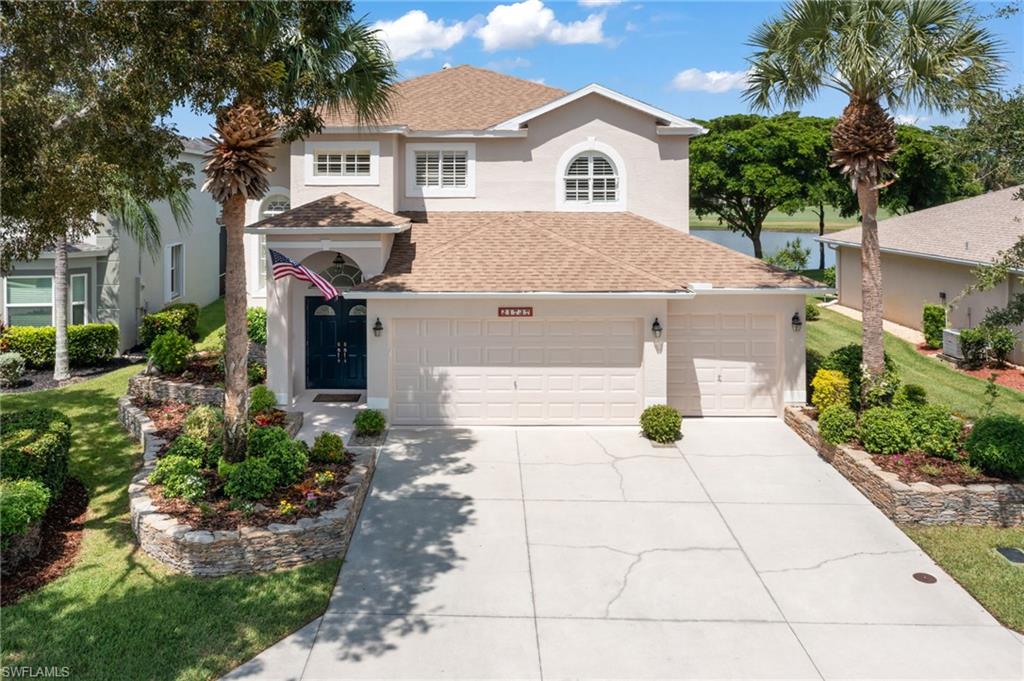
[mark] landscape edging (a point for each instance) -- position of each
(921, 503)
(207, 553)
(148, 388)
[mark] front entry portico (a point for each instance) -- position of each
(335, 343)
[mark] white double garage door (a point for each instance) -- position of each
(580, 371)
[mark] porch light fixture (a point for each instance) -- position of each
(378, 328)
(797, 322)
(656, 328)
(339, 259)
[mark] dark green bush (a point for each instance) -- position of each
(170, 352)
(88, 344)
(884, 430)
(251, 479)
(811, 311)
(974, 347)
(286, 456)
(996, 446)
(264, 440)
(37, 344)
(910, 395)
(829, 276)
(1001, 340)
(180, 317)
(261, 399)
(661, 423)
(935, 430)
(933, 323)
(848, 359)
(188, 447)
(837, 424)
(34, 444)
(22, 503)
(12, 369)
(180, 475)
(370, 422)
(328, 448)
(257, 324)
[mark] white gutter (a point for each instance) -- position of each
(763, 291)
(523, 294)
(913, 254)
(347, 229)
(406, 131)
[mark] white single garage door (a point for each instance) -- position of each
(516, 371)
(723, 364)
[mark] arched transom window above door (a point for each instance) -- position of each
(343, 273)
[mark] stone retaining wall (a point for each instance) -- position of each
(147, 388)
(917, 502)
(247, 549)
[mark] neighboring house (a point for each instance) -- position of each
(115, 280)
(513, 253)
(929, 256)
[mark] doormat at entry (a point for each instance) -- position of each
(343, 397)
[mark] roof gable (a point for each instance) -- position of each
(331, 213)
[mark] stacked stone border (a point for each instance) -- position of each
(916, 502)
(248, 549)
(149, 388)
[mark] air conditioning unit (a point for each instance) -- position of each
(951, 343)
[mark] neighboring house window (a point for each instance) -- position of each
(342, 163)
(29, 301)
(174, 271)
(79, 299)
(591, 178)
(440, 170)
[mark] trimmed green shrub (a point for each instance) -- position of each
(188, 447)
(848, 359)
(829, 276)
(996, 446)
(180, 317)
(170, 352)
(1001, 340)
(837, 424)
(661, 423)
(22, 503)
(286, 456)
(36, 344)
(328, 448)
(370, 422)
(34, 444)
(910, 395)
(884, 430)
(12, 369)
(935, 430)
(180, 475)
(256, 318)
(974, 347)
(811, 311)
(933, 322)
(879, 391)
(92, 344)
(252, 479)
(261, 399)
(264, 440)
(204, 423)
(830, 387)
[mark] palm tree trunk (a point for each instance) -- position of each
(870, 280)
(821, 232)
(61, 372)
(236, 351)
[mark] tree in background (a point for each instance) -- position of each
(881, 55)
(993, 140)
(746, 166)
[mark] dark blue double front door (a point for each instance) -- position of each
(335, 343)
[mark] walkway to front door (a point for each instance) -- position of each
(335, 343)
(498, 553)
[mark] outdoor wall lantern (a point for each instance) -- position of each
(377, 328)
(797, 322)
(656, 328)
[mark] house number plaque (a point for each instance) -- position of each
(515, 311)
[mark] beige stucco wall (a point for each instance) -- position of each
(908, 283)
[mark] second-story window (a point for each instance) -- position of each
(591, 178)
(343, 164)
(442, 169)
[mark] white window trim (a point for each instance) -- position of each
(261, 258)
(322, 147)
(590, 206)
(8, 304)
(169, 297)
(71, 298)
(413, 191)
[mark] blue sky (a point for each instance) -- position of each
(686, 57)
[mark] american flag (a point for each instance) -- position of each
(283, 266)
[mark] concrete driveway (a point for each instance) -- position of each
(583, 554)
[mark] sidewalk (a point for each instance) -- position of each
(905, 332)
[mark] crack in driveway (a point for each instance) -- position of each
(836, 559)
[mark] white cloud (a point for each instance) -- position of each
(414, 35)
(526, 23)
(632, 27)
(599, 3)
(510, 64)
(709, 81)
(911, 119)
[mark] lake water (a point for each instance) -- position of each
(770, 242)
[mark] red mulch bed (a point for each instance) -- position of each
(61, 538)
(908, 467)
(168, 417)
(203, 369)
(215, 512)
(1009, 376)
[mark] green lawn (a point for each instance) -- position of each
(803, 221)
(963, 394)
(211, 320)
(968, 554)
(117, 614)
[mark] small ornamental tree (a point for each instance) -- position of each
(933, 323)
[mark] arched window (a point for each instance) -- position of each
(591, 177)
(343, 273)
(274, 205)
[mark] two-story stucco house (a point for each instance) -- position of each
(114, 279)
(511, 253)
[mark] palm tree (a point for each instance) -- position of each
(312, 57)
(883, 55)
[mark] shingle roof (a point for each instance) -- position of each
(337, 210)
(457, 98)
(972, 230)
(565, 252)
